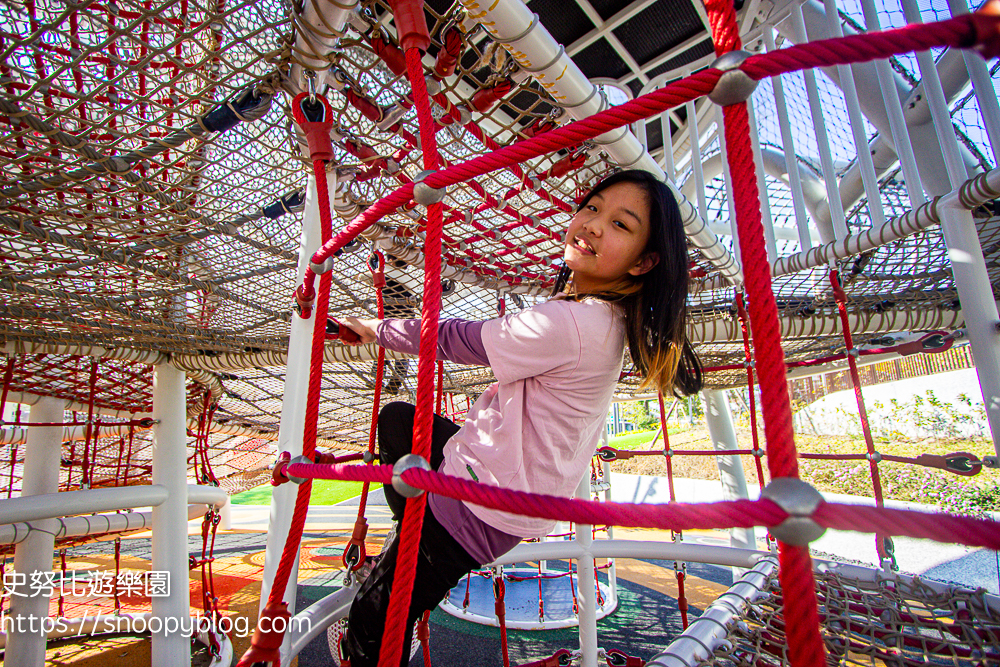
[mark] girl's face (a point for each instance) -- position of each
(607, 238)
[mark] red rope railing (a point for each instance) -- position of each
(940, 527)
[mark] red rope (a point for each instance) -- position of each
(841, 298)
(804, 642)
(8, 376)
(741, 312)
(409, 536)
(361, 523)
(500, 608)
(672, 516)
(958, 32)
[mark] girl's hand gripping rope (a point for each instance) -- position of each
(363, 330)
(336, 330)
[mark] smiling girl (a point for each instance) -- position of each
(625, 279)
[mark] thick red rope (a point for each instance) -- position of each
(409, 536)
(805, 645)
(263, 643)
(673, 516)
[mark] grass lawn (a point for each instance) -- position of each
(640, 440)
(324, 492)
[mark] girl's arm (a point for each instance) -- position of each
(459, 341)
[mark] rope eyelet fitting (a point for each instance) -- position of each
(280, 475)
(367, 457)
(354, 555)
(607, 454)
(305, 298)
(800, 501)
(963, 463)
(423, 193)
(315, 117)
(735, 85)
(408, 462)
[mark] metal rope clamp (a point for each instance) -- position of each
(735, 85)
(320, 269)
(423, 193)
(799, 500)
(408, 462)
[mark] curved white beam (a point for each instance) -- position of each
(96, 524)
(69, 503)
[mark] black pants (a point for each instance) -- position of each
(441, 562)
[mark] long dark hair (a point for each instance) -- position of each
(655, 303)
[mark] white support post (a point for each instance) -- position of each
(41, 475)
(586, 584)
(982, 83)
(613, 567)
(728, 180)
(694, 138)
(170, 519)
(734, 482)
(788, 146)
(293, 414)
(765, 202)
(668, 147)
(968, 264)
(863, 152)
(894, 114)
(839, 223)
(226, 516)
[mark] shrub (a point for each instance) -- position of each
(956, 495)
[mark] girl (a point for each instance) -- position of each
(557, 365)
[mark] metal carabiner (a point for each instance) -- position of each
(310, 76)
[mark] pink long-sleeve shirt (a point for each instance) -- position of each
(537, 427)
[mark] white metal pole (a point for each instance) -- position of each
(825, 153)
(734, 482)
(847, 85)
(968, 264)
(41, 476)
(668, 147)
(613, 567)
(170, 518)
(982, 83)
(293, 412)
(694, 138)
(586, 582)
(894, 113)
(226, 517)
(788, 146)
(765, 203)
(727, 179)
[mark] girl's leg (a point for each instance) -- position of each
(395, 440)
(441, 564)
